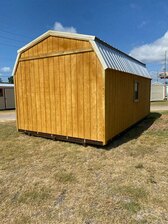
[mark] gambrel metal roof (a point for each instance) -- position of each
(120, 61)
(109, 56)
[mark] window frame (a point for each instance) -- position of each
(136, 90)
(1, 92)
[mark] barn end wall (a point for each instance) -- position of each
(62, 94)
(121, 111)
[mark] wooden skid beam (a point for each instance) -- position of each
(62, 138)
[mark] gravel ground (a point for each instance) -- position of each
(9, 115)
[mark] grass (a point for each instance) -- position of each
(44, 181)
(160, 103)
(6, 111)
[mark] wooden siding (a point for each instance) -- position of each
(61, 95)
(54, 44)
(121, 111)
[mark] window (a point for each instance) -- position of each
(136, 91)
(1, 92)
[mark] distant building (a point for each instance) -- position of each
(157, 91)
(7, 100)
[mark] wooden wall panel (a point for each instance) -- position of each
(80, 99)
(100, 101)
(58, 114)
(64, 95)
(33, 95)
(51, 79)
(68, 95)
(47, 107)
(121, 110)
(74, 95)
(25, 88)
(42, 77)
(93, 96)
(37, 77)
(55, 44)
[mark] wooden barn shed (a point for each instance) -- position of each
(78, 88)
(7, 100)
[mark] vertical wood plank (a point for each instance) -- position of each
(80, 84)
(87, 96)
(74, 95)
(33, 117)
(68, 95)
(37, 77)
(61, 43)
(52, 96)
(100, 102)
(45, 46)
(35, 50)
(26, 85)
(49, 44)
(107, 103)
(57, 95)
(42, 96)
(39, 48)
(55, 44)
(93, 96)
(62, 93)
(47, 95)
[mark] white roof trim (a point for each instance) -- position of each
(57, 34)
(95, 48)
(15, 65)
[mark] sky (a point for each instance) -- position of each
(139, 28)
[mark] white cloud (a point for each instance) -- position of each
(59, 27)
(152, 52)
(5, 70)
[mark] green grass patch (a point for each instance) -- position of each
(136, 193)
(159, 103)
(132, 207)
(64, 177)
(34, 195)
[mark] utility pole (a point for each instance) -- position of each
(165, 75)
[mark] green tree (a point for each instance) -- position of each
(10, 79)
(0, 79)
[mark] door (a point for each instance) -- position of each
(2, 99)
(9, 98)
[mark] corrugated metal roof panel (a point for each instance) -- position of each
(118, 60)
